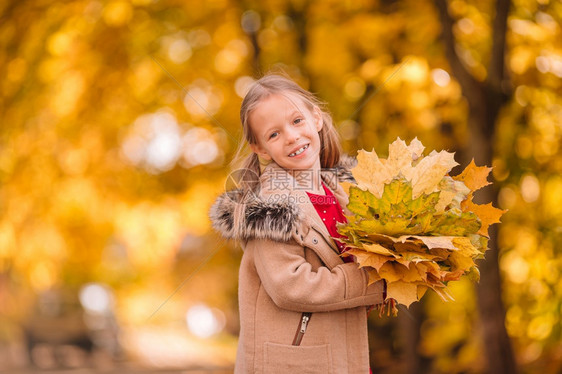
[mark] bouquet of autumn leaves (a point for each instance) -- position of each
(413, 225)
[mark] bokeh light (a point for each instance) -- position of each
(203, 321)
(96, 298)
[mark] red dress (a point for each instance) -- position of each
(330, 212)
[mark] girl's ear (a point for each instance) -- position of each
(257, 149)
(318, 121)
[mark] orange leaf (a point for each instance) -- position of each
(404, 293)
(453, 275)
(487, 213)
(373, 276)
(394, 271)
(428, 267)
(373, 260)
(474, 177)
(378, 249)
(421, 291)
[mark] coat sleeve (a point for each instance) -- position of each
(293, 285)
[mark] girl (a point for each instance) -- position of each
(302, 308)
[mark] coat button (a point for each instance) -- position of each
(315, 241)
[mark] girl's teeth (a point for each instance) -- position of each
(299, 151)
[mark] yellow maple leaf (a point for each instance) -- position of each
(451, 193)
(381, 238)
(445, 242)
(409, 246)
(460, 262)
(487, 214)
(474, 177)
(416, 148)
(453, 275)
(423, 269)
(373, 276)
(464, 247)
(445, 198)
(421, 291)
(462, 259)
(399, 158)
(373, 260)
(427, 174)
(394, 271)
(377, 248)
(370, 173)
(404, 293)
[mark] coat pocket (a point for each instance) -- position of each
(284, 359)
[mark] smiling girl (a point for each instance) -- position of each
(302, 307)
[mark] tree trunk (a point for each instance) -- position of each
(485, 101)
(497, 344)
(409, 322)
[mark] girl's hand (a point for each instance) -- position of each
(389, 304)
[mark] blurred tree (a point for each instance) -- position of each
(485, 100)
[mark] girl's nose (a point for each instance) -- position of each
(292, 134)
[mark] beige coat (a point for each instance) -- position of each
(290, 266)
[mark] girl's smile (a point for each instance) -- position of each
(299, 151)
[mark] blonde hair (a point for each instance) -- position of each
(271, 84)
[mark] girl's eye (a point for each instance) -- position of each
(273, 135)
(297, 121)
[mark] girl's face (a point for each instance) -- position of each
(287, 132)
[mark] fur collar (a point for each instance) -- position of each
(272, 214)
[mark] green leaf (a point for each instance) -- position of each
(424, 204)
(359, 201)
(399, 210)
(397, 191)
(395, 227)
(422, 224)
(453, 224)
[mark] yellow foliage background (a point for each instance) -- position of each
(119, 119)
